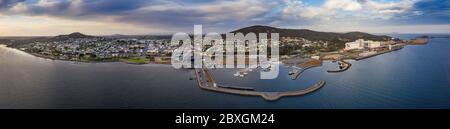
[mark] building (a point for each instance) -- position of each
(362, 44)
(306, 45)
(315, 57)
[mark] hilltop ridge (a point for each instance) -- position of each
(312, 35)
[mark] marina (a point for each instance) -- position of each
(269, 96)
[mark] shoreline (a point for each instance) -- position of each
(378, 53)
(153, 62)
(73, 61)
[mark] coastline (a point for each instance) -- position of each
(78, 61)
(378, 53)
(303, 66)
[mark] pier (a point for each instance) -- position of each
(346, 67)
(298, 72)
(269, 96)
(238, 88)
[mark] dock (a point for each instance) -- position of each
(347, 65)
(237, 88)
(269, 96)
(296, 74)
(299, 72)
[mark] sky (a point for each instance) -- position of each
(105, 17)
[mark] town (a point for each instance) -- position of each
(301, 48)
(101, 49)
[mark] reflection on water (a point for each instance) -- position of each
(414, 77)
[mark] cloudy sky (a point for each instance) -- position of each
(104, 17)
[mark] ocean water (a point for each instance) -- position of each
(413, 77)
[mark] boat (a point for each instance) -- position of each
(236, 74)
(291, 72)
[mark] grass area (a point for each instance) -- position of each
(136, 60)
(91, 59)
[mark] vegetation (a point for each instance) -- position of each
(136, 60)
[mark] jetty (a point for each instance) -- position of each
(346, 65)
(297, 73)
(299, 66)
(211, 85)
(238, 88)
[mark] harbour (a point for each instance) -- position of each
(212, 85)
(393, 80)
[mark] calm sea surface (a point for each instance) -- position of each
(413, 77)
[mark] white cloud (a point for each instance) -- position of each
(299, 9)
(20, 7)
(217, 11)
(47, 3)
(368, 9)
(389, 8)
(177, 15)
(347, 5)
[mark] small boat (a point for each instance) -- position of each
(291, 72)
(245, 73)
(240, 75)
(237, 74)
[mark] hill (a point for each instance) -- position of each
(73, 36)
(312, 35)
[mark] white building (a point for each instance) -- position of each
(373, 44)
(354, 45)
(306, 45)
(362, 44)
(315, 57)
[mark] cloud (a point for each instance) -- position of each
(219, 15)
(388, 10)
(433, 9)
(347, 5)
(9, 3)
(156, 13)
(423, 12)
(368, 9)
